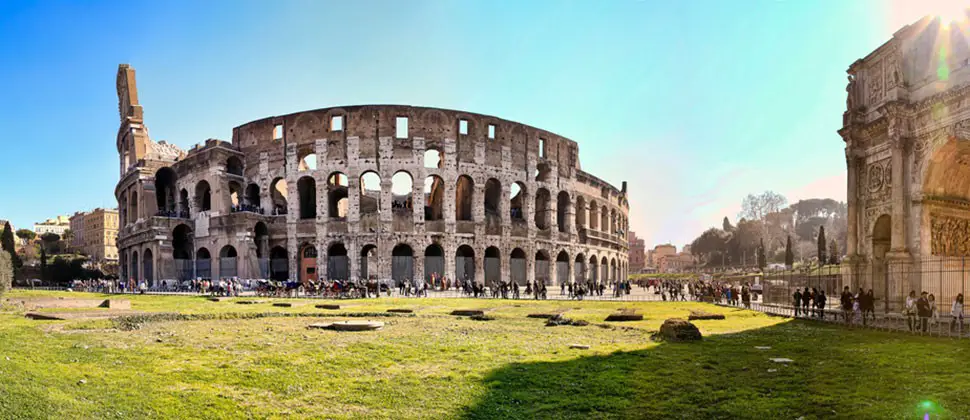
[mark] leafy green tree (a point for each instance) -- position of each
(789, 255)
(26, 235)
(821, 246)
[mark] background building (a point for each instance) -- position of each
(56, 225)
(637, 255)
(77, 232)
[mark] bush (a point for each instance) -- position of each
(6, 272)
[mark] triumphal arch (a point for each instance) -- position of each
(907, 149)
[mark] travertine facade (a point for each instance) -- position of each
(374, 191)
(907, 135)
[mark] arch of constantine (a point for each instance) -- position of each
(380, 192)
(907, 149)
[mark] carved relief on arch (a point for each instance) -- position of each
(949, 236)
(878, 180)
(872, 214)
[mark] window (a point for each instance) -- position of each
(542, 147)
(337, 123)
(278, 132)
(491, 131)
(401, 128)
(462, 126)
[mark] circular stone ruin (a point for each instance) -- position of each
(349, 325)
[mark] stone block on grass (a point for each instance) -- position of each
(467, 312)
(701, 315)
(676, 329)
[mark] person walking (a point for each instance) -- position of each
(797, 301)
(956, 311)
(820, 304)
(806, 300)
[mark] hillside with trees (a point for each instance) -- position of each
(769, 230)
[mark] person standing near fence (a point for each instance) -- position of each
(869, 307)
(846, 302)
(820, 304)
(797, 300)
(911, 309)
(924, 311)
(956, 311)
(934, 315)
(806, 301)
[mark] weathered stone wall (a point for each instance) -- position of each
(6, 272)
(321, 214)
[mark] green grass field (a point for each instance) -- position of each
(433, 365)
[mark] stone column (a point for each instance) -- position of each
(553, 271)
(530, 270)
(852, 164)
(898, 146)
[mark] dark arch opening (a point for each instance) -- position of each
(165, 191)
(464, 191)
(368, 258)
(517, 266)
(465, 263)
(234, 166)
(203, 196)
(307, 188)
(279, 264)
(562, 209)
(434, 265)
(493, 266)
(402, 264)
(338, 262)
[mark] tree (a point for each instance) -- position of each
(43, 265)
(789, 256)
(726, 225)
(821, 245)
(26, 235)
(68, 236)
(761, 256)
(50, 242)
(7, 244)
(833, 252)
(758, 207)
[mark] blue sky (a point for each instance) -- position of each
(695, 103)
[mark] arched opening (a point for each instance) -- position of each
(579, 269)
(434, 158)
(594, 274)
(562, 268)
(605, 219)
(133, 213)
(134, 275)
(252, 199)
(370, 193)
(184, 207)
(368, 258)
(261, 239)
(308, 162)
(235, 196)
(402, 187)
(542, 267)
(493, 266)
(580, 212)
(307, 188)
(165, 191)
(279, 194)
(337, 204)
(203, 196)
(148, 268)
(338, 263)
(123, 214)
(464, 191)
(594, 215)
(604, 270)
(402, 264)
(308, 264)
(279, 264)
(517, 197)
(614, 275)
(517, 266)
(493, 193)
(234, 166)
(182, 252)
(542, 210)
(227, 262)
(434, 195)
(434, 264)
(465, 264)
(542, 172)
(562, 211)
(203, 264)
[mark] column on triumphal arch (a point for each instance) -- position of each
(852, 228)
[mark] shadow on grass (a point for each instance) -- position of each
(836, 373)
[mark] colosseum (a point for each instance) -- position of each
(383, 192)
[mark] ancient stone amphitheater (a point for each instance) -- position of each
(365, 192)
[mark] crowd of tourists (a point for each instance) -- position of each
(921, 311)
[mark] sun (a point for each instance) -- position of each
(949, 11)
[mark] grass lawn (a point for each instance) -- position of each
(433, 365)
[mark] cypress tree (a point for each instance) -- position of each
(821, 246)
(789, 256)
(7, 244)
(833, 252)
